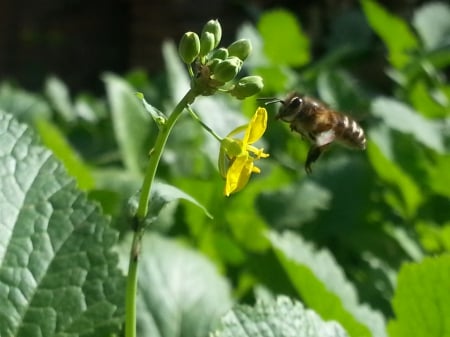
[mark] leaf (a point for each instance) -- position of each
(180, 291)
(132, 124)
(411, 196)
(25, 106)
(283, 318)
(294, 205)
(400, 117)
(58, 95)
(422, 299)
(161, 195)
(53, 138)
(322, 285)
(157, 115)
(395, 33)
(284, 41)
(58, 275)
(432, 22)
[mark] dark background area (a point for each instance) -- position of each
(79, 39)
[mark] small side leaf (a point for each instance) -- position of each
(59, 96)
(283, 318)
(322, 285)
(157, 115)
(422, 299)
(161, 195)
(58, 274)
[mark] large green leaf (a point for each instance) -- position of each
(323, 286)
(394, 32)
(281, 318)
(180, 292)
(422, 299)
(284, 41)
(132, 124)
(58, 275)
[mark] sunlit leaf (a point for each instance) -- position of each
(422, 299)
(394, 31)
(58, 274)
(55, 140)
(281, 318)
(317, 276)
(284, 41)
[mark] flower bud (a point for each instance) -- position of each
(189, 47)
(213, 27)
(240, 48)
(206, 43)
(227, 69)
(247, 86)
(212, 64)
(220, 53)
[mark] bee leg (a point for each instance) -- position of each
(313, 154)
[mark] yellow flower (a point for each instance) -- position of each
(237, 156)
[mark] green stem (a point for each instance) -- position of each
(155, 156)
(206, 127)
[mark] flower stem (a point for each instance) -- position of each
(206, 127)
(155, 156)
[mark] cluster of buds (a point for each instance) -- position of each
(216, 68)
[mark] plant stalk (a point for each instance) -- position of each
(155, 156)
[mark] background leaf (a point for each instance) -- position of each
(132, 125)
(316, 275)
(58, 275)
(180, 292)
(394, 32)
(421, 299)
(283, 318)
(432, 22)
(281, 31)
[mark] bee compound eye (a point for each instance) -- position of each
(295, 102)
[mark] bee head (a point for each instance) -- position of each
(291, 107)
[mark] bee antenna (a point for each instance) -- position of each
(271, 100)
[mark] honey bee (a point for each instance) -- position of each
(320, 125)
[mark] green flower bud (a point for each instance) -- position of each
(220, 53)
(206, 43)
(213, 27)
(247, 86)
(212, 64)
(240, 48)
(227, 69)
(189, 47)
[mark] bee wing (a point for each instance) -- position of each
(325, 137)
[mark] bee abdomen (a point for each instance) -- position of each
(350, 133)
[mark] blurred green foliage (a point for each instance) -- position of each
(360, 215)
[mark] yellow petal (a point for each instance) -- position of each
(256, 127)
(238, 174)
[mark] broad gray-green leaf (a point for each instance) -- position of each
(432, 22)
(25, 106)
(323, 286)
(400, 117)
(132, 125)
(161, 195)
(283, 318)
(180, 291)
(58, 275)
